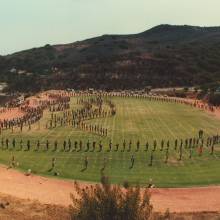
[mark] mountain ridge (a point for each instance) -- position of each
(165, 55)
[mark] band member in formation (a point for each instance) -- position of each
(154, 145)
(132, 162)
(80, 146)
(69, 145)
(180, 152)
(123, 146)
(53, 161)
(104, 165)
(64, 145)
(87, 146)
(190, 152)
(151, 158)
(47, 145)
(13, 143)
(75, 146)
(167, 155)
(212, 148)
(21, 145)
(162, 145)
(176, 144)
(28, 145)
(93, 146)
(7, 144)
(116, 147)
(146, 146)
(110, 146)
(37, 146)
(129, 146)
(100, 146)
(201, 133)
(138, 146)
(55, 145)
(86, 162)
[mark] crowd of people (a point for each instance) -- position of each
(30, 116)
(59, 103)
(32, 113)
(188, 148)
(91, 108)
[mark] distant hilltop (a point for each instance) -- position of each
(164, 56)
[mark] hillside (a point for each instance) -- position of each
(163, 56)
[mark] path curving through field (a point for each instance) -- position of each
(55, 191)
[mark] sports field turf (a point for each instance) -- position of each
(136, 119)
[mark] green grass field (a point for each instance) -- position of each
(136, 119)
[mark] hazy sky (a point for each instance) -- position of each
(31, 23)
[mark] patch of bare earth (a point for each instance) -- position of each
(12, 208)
(57, 192)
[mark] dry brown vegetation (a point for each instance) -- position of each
(111, 202)
(12, 208)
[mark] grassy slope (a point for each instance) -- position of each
(135, 119)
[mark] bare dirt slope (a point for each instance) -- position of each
(12, 208)
(56, 192)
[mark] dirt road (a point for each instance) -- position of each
(55, 191)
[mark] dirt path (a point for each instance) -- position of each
(54, 191)
(187, 199)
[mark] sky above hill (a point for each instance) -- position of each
(26, 24)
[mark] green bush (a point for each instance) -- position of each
(110, 202)
(214, 99)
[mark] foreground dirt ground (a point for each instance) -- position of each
(57, 192)
(12, 208)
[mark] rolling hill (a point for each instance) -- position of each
(164, 56)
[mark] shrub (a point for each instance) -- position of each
(214, 99)
(110, 202)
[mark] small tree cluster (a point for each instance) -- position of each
(111, 202)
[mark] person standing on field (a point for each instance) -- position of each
(116, 147)
(100, 146)
(86, 162)
(132, 162)
(138, 146)
(47, 145)
(110, 146)
(151, 159)
(154, 145)
(38, 146)
(146, 146)
(124, 145)
(53, 161)
(167, 155)
(129, 146)
(55, 146)
(104, 165)
(21, 145)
